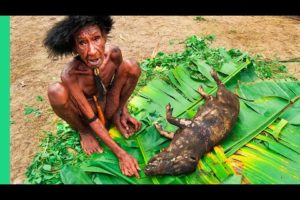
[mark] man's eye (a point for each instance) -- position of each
(82, 42)
(97, 38)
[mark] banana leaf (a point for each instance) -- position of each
(214, 167)
(292, 115)
(74, 175)
(264, 103)
(271, 160)
(263, 146)
(159, 92)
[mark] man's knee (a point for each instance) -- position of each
(57, 94)
(132, 68)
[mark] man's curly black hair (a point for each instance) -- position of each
(59, 40)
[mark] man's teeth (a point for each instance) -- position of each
(94, 62)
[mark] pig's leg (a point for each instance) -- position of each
(216, 78)
(182, 123)
(222, 93)
(204, 94)
(169, 135)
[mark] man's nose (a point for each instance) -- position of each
(92, 50)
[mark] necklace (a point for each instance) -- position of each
(99, 84)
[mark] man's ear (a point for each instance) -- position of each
(74, 51)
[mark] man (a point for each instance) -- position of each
(95, 85)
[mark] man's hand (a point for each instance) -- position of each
(130, 124)
(126, 124)
(129, 165)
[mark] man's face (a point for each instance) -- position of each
(90, 45)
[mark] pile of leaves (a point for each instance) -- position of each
(56, 151)
(265, 137)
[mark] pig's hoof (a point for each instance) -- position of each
(169, 108)
(158, 126)
(213, 72)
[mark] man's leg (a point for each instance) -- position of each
(124, 83)
(61, 104)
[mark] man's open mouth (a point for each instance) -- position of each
(94, 62)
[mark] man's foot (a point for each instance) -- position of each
(89, 143)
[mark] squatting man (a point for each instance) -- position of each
(95, 85)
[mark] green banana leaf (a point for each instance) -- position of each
(211, 169)
(180, 91)
(74, 175)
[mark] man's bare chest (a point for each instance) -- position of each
(87, 83)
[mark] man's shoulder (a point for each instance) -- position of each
(69, 67)
(115, 53)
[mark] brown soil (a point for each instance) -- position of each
(138, 37)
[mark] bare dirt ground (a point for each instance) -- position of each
(138, 37)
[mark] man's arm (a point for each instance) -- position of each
(128, 164)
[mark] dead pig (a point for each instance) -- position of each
(213, 121)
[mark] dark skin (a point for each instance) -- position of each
(72, 98)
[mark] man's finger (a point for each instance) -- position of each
(123, 131)
(137, 165)
(126, 135)
(126, 172)
(129, 172)
(100, 150)
(131, 132)
(88, 152)
(122, 169)
(124, 123)
(136, 174)
(139, 126)
(134, 169)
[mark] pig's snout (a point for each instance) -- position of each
(156, 165)
(168, 163)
